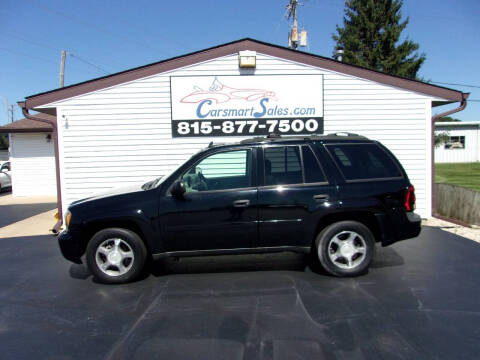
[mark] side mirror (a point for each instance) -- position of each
(178, 189)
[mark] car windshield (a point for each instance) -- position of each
(156, 182)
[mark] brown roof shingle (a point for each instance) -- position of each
(28, 126)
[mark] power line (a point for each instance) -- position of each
(33, 42)
(88, 63)
(89, 25)
(56, 49)
(28, 55)
(455, 84)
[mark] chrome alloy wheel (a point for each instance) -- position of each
(114, 257)
(347, 249)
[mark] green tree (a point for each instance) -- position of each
(3, 142)
(370, 38)
(448, 119)
(441, 138)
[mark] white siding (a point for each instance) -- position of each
(122, 135)
(33, 165)
(471, 152)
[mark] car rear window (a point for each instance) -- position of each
(283, 165)
(364, 161)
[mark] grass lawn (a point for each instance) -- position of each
(461, 174)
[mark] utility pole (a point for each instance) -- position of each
(293, 36)
(62, 67)
(11, 110)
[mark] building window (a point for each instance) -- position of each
(455, 142)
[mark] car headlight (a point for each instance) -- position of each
(68, 217)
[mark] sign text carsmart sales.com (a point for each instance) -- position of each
(206, 110)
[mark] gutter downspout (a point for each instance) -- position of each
(462, 106)
(59, 223)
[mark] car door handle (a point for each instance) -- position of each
(320, 197)
(241, 203)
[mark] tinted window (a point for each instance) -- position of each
(282, 165)
(220, 171)
(363, 161)
(313, 172)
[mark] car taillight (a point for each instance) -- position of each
(410, 199)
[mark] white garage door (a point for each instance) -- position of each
(33, 165)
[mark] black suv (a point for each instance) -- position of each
(334, 196)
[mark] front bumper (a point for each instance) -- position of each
(70, 248)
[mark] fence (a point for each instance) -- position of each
(456, 202)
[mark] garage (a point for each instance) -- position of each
(32, 157)
(462, 142)
(130, 127)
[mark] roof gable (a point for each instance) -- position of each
(234, 47)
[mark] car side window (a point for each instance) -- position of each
(220, 171)
(312, 169)
(364, 161)
(282, 165)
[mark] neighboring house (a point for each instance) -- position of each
(463, 143)
(126, 128)
(32, 157)
(3, 155)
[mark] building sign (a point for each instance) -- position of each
(246, 105)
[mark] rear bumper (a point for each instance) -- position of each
(405, 226)
(69, 247)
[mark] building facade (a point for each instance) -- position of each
(133, 126)
(463, 142)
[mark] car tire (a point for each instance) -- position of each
(345, 248)
(116, 255)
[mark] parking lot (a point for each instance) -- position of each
(419, 300)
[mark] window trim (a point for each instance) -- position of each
(318, 163)
(327, 145)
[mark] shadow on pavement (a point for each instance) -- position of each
(386, 257)
(12, 213)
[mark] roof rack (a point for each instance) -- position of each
(344, 133)
(314, 137)
(269, 137)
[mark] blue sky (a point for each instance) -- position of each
(110, 36)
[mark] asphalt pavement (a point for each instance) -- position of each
(420, 300)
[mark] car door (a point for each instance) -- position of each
(295, 193)
(219, 207)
